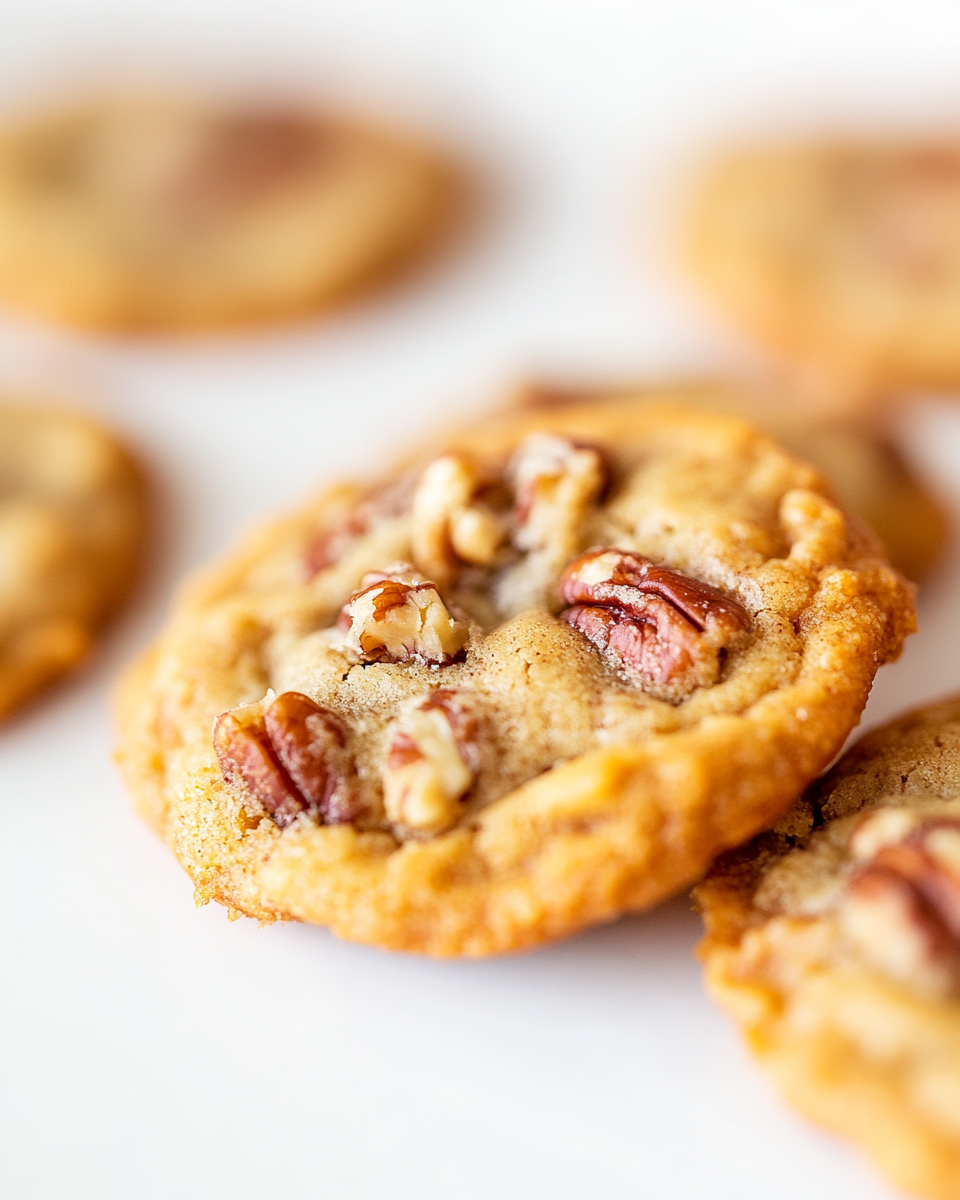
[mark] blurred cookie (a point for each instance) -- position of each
(846, 255)
(867, 472)
(157, 214)
(834, 940)
(535, 678)
(71, 526)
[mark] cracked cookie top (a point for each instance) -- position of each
(834, 938)
(149, 213)
(537, 676)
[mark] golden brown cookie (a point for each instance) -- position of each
(71, 527)
(846, 255)
(868, 474)
(533, 679)
(834, 940)
(139, 213)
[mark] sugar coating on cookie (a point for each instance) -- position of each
(846, 255)
(71, 528)
(536, 677)
(146, 213)
(834, 940)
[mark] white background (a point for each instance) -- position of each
(151, 1050)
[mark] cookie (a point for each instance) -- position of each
(834, 940)
(846, 255)
(863, 465)
(137, 213)
(534, 678)
(71, 528)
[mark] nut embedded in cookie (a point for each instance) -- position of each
(556, 482)
(448, 524)
(652, 622)
(399, 617)
(902, 904)
(430, 765)
(291, 757)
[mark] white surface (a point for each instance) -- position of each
(150, 1050)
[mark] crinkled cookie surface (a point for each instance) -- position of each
(155, 213)
(834, 940)
(537, 677)
(72, 514)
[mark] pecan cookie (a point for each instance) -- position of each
(71, 524)
(834, 940)
(847, 255)
(868, 474)
(155, 214)
(536, 678)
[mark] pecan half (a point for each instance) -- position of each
(399, 617)
(291, 757)
(902, 904)
(431, 763)
(449, 524)
(652, 622)
(311, 746)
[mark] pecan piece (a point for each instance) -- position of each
(249, 762)
(654, 623)
(449, 524)
(901, 906)
(310, 743)
(399, 617)
(430, 765)
(556, 482)
(292, 758)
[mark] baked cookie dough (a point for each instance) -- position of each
(71, 527)
(140, 213)
(863, 465)
(834, 940)
(537, 677)
(846, 255)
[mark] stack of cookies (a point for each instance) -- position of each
(560, 664)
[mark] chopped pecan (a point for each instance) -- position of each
(449, 524)
(902, 903)
(291, 757)
(384, 503)
(555, 480)
(651, 621)
(399, 617)
(431, 763)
